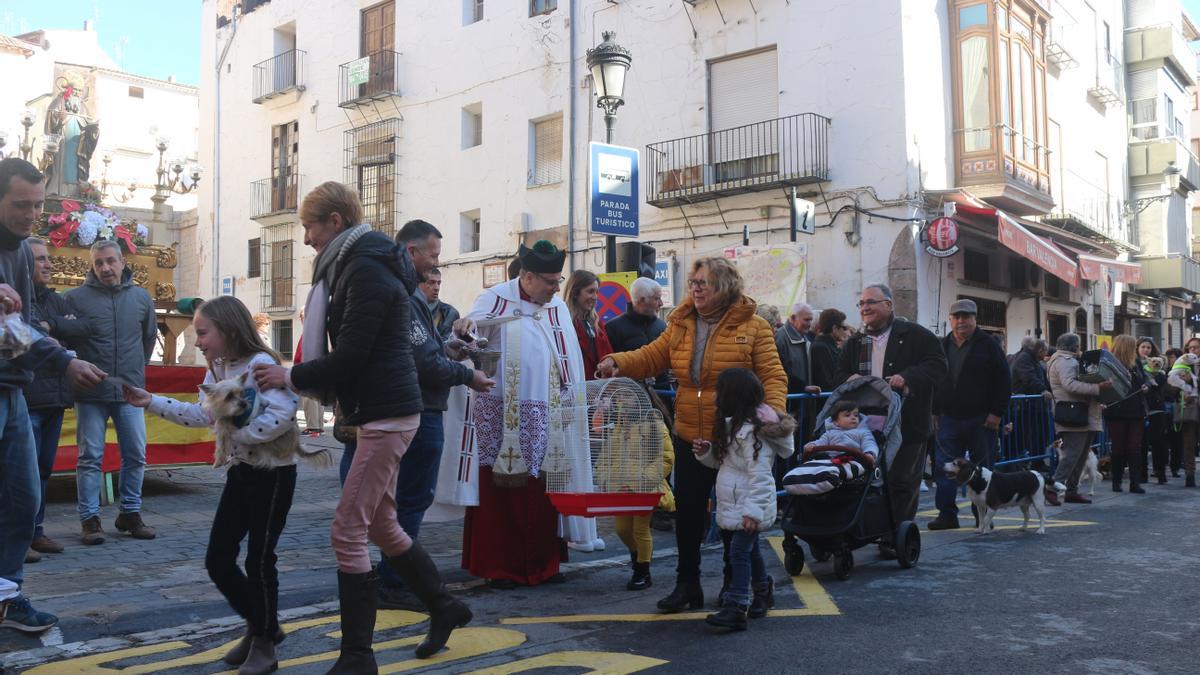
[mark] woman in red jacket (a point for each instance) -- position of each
(581, 292)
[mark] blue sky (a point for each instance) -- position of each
(155, 38)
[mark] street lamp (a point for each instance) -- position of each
(167, 183)
(1171, 176)
(121, 197)
(26, 147)
(608, 63)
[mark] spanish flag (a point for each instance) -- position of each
(167, 443)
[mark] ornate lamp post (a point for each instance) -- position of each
(121, 197)
(608, 63)
(168, 183)
(26, 147)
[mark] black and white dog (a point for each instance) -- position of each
(990, 491)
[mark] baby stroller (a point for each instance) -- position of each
(858, 512)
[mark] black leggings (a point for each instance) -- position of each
(255, 502)
(693, 483)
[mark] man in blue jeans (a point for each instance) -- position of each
(415, 485)
(22, 194)
(121, 334)
(969, 404)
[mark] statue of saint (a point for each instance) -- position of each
(68, 116)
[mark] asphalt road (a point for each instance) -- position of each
(1108, 589)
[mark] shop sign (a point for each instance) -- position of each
(941, 238)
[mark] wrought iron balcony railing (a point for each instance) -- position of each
(367, 79)
(791, 150)
(271, 196)
(279, 74)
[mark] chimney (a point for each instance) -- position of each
(87, 25)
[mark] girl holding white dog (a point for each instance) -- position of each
(260, 482)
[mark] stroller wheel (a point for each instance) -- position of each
(842, 564)
(908, 544)
(793, 561)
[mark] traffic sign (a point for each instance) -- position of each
(614, 182)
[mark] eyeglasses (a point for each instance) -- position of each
(697, 283)
(551, 282)
(868, 303)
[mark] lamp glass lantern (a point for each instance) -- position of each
(608, 63)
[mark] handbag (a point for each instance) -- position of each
(1071, 413)
(342, 432)
(1187, 413)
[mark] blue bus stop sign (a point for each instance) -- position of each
(614, 182)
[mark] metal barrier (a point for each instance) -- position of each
(1032, 420)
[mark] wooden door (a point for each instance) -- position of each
(379, 43)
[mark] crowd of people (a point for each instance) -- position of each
(382, 348)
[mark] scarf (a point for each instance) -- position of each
(316, 307)
(876, 333)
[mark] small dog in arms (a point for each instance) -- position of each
(233, 403)
(990, 491)
(1091, 467)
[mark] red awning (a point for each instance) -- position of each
(1015, 236)
(1126, 272)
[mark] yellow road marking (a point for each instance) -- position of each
(816, 601)
(601, 663)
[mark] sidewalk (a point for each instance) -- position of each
(126, 585)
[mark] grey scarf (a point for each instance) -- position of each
(316, 308)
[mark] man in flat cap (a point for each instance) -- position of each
(511, 538)
(969, 404)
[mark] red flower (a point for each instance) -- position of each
(63, 234)
(58, 219)
(122, 233)
(70, 206)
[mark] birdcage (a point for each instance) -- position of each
(605, 451)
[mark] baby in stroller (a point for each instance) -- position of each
(845, 451)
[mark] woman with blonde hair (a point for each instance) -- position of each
(1127, 419)
(714, 329)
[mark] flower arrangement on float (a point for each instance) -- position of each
(82, 224)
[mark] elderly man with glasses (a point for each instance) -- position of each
(910, 358)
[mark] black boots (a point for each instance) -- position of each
(1118, 472)
(356, 595)
(764, 598)
(1190, 480)
(686, 594)
(731, 617)
(421, 575)
(640, 580)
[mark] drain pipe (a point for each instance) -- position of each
(216, 214)
(571, 141)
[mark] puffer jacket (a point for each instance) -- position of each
(49, 388)
(859, 438)
(1063, 372)
(121, 332)
(741, 339)
(745, 485)
(436, 373)
(370, 366)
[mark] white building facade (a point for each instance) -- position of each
(476, 115)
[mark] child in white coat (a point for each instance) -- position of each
(749, 435)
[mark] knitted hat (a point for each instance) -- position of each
(543, 258)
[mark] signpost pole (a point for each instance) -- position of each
(610, 241)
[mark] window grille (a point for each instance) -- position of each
(281, 335)
(371, 171)
(278, 268)
(254, 258)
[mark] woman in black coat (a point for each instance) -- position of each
(832, 331)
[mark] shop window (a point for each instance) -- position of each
(975, 267)
(1056, 325)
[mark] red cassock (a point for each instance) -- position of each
(513, 533)
(594, 347)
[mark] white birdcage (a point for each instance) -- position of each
(605, 456)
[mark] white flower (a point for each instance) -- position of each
(86, 233)
(106, 231)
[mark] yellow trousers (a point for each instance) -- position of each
(634, 531)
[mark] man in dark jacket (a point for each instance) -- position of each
(910, 359)
(444, 314)
(969, 404)
(121, 334)
(22, 193)
(1028, 370)
(421, 243)
(794, 341)
(640, 325)
(49, 395)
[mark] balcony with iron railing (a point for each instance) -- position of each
(278, 75)
(791, 150)
(275, 196)
(1090, 211)
(370, 78)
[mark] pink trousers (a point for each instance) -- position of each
(367, 509)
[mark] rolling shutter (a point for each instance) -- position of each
(743, 90)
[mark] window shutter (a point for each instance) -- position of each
(254, 256)
(547, 160)
(743, 90)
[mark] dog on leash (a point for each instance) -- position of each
(231, 404)
(990, 491)
(1091, 467)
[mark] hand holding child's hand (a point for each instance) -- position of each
(749, 524)
(134, 396)
(700, 447)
